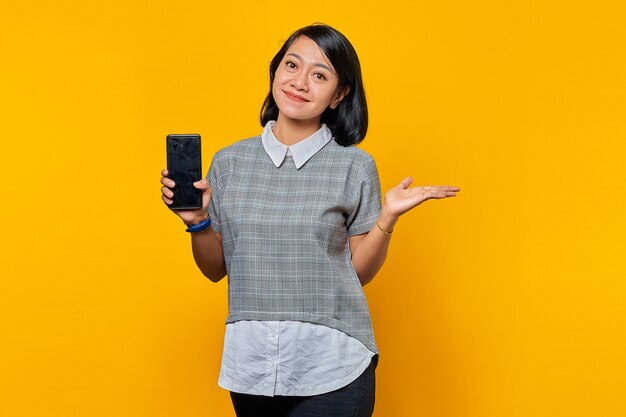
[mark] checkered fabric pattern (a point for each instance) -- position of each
(285, 233)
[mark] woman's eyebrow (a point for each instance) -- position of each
(315, 64)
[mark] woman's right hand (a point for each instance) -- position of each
(189, 217)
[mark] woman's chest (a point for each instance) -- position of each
(270, 202)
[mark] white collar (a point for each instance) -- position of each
(301, 151)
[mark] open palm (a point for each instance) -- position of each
(401, 198)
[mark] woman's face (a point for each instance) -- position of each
(305, 82)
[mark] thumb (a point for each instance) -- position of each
(202, 184)
(405, 182)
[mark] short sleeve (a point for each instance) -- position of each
(367, 195)
(217, 189)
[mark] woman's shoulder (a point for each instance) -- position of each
(239, 148)
(355, 154)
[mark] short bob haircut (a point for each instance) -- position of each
(348, 121)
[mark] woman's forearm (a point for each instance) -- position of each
(208, 254)
(371, 252)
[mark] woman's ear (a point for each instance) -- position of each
(339, 95)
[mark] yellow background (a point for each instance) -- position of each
(507, 300)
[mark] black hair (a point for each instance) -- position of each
(348, 121)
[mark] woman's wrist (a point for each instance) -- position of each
(199, 219)
(386, 221)
(199, 227)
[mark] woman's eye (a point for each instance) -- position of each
(320, 76)
(290, 64)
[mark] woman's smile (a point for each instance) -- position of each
(295, 97)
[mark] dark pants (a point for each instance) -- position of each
(354, 400)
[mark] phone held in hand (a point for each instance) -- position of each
(184, 165)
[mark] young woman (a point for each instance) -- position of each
(294, 217)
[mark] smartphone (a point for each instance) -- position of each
(184, 167)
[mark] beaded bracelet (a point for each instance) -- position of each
(203, 225)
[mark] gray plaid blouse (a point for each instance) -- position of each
(285, 233)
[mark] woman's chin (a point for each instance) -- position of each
(298, 116)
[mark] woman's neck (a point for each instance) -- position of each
(291, 131)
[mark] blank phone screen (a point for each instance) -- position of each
(185, 167)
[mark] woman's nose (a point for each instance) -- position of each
(299, 81)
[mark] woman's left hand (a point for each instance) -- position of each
(401, 199)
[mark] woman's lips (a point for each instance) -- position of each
(295, 97)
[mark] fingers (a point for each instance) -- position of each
(167, 192)
(202, 184)
(441, 191)
(406, 182)
(433, 191)
(447, 188)
(166, 181)
(167, 201)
